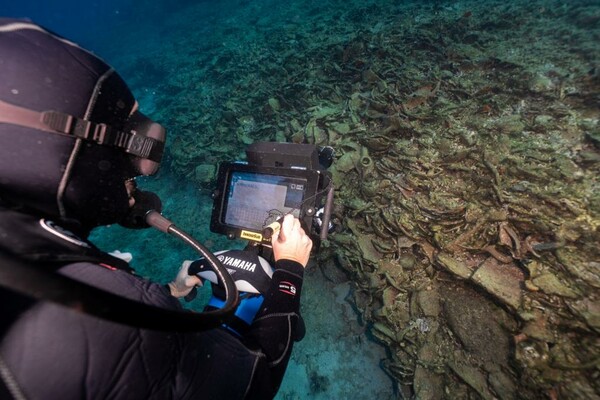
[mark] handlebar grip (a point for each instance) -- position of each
(195, 268)
(271, 229)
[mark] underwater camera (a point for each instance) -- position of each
(277, 179)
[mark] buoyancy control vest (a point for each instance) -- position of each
(42, 241)
(48, 245)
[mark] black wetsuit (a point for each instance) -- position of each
(51, 352)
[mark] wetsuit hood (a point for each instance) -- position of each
(62, 175)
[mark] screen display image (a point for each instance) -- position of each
(255, 200)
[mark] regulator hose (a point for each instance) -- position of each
(156, 220)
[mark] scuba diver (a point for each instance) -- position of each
(72, 140)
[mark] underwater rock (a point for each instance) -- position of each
(342, 291)
(510, 125)
(247, 123)
(274, 104)
(384, 333)
(589, 157)
(550, 284)
(478, 327)
(428, 385)
(377, 143)
(577, 265)
(532, 354)
(389, 296)
(247, 126)
(347, 162)
(540, 83)
(369, 252)
(407, 260)
(298, 137)
(204, 173)
(502, 281)
(455, 267)
(543, 121)
(370, 77)
(594, 137)
(503, 385)
(313, 133)
(589, 310)
(471, 375)
(332, 268)
(429, 302)
(538, 327)
(244, 137)
(340, 127)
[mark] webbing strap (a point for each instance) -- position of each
(103, 134)
(16, 115)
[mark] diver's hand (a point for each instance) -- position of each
(184, 283)
(291, 242)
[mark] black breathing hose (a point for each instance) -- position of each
(156, 220)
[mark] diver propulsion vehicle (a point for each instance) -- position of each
(250, 201)
(252, 276)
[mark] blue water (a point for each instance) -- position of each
(168, 52)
